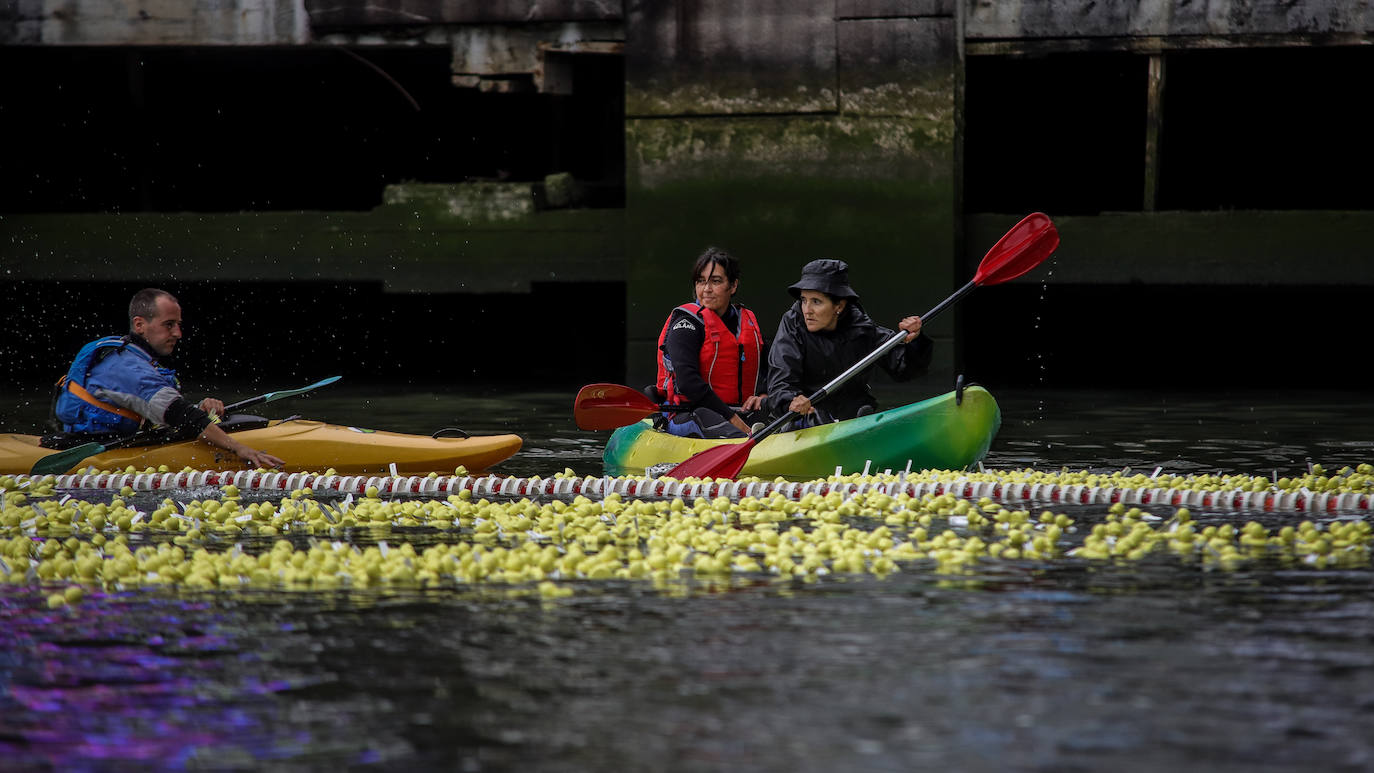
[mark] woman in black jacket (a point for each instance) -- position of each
(823, 334)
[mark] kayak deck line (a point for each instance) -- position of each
(995, 486)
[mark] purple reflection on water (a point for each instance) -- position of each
(130, 678)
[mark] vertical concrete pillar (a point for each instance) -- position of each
(785, 131)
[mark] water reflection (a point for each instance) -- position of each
(1017, 669)
(1251, 432)
(1246, 432)
(1148, 665)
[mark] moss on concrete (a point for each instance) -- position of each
(931, 103)
(897, 235)
(837, 146)
(413, 243)
(480, 201)
(725, 96)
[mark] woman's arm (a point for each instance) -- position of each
(909, 360)
(786, 365)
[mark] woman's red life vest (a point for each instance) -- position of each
(729, 362)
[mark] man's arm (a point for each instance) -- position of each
(181, 413)
(167, 406)
(221, 439)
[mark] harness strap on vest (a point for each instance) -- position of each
(80, 392)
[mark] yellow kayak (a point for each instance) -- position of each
(305, 446)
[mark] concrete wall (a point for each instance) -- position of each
(257, 22)
(1201, 249)
(1084, 19)
(271, 22)
(383, 14)
(153, 22)
(783, 132)
(477, 238)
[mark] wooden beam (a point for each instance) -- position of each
(1154, 120)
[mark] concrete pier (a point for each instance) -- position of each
(1176, 145)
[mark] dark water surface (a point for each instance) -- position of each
(1065, 665)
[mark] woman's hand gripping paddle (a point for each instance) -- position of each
(1021, 249)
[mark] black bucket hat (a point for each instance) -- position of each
(826, 275)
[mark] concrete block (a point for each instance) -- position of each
(996, 19)
(334, 14)
(153, 22)
(898, 67)
(561, 190)
(872, 9)
(730, 57)
(466, 201)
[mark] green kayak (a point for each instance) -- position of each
(948, 432)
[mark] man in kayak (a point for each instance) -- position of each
(116, 383)
(823, 334)
(710, 354)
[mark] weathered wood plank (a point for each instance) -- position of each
(1154, 120)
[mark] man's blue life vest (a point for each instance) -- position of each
(126, 369)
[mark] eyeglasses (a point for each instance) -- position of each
(715, 281)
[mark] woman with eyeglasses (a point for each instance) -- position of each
(711, 355)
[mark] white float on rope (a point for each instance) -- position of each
(1013, 493)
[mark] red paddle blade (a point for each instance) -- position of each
(722, 461)
(1022, 248)
(607, 406)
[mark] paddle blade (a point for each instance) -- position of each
(65, 460)
(722, 461)
(282, 394)
(278, 395)
(608, 406)
(1021, 249)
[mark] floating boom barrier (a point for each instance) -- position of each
(998, 487)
